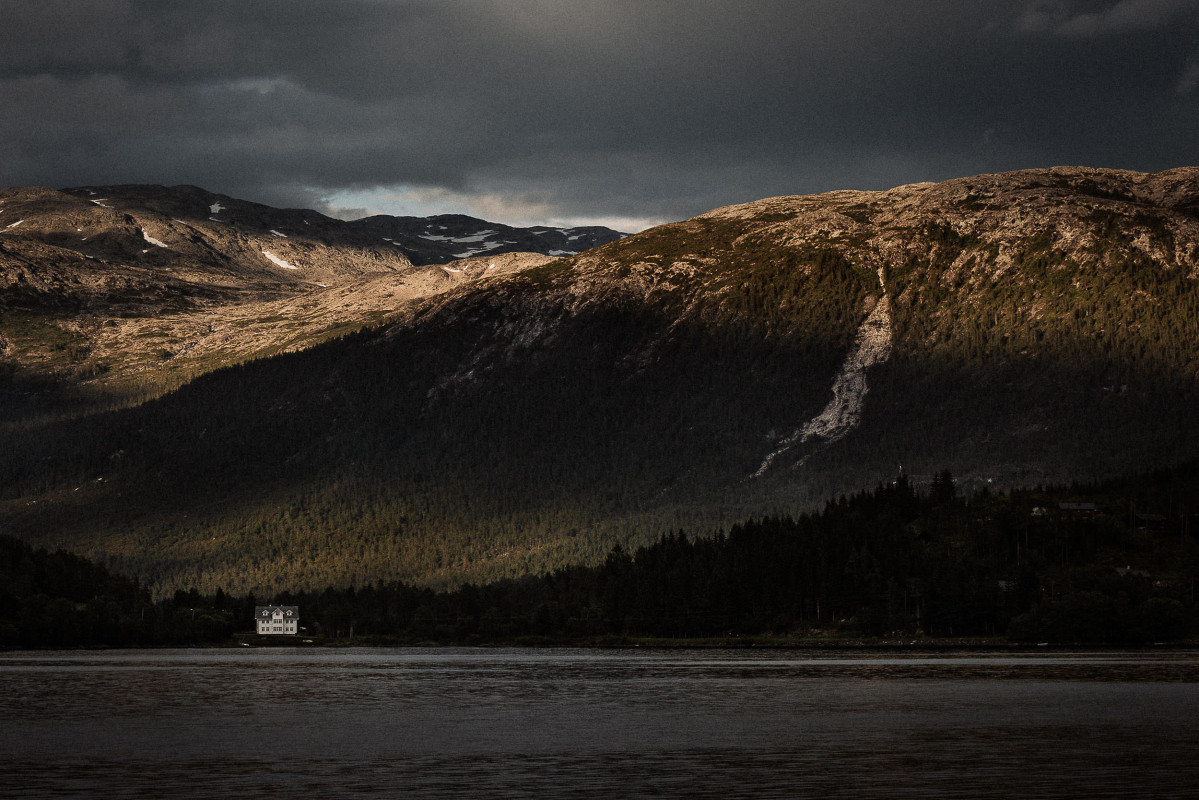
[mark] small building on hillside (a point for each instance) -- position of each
(277, 620)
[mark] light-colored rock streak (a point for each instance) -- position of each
(871, 346)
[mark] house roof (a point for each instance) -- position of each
(266, 612)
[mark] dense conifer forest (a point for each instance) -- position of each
(1112, 563)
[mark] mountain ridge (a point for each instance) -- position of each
(1042, 327)
(141, 288)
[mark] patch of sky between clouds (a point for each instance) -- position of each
(250, 85)
(410, 201)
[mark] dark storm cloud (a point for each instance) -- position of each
(635, 109)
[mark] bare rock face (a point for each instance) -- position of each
(503, 413)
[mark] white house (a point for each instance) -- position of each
(277, 620)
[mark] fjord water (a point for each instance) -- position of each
(426, 723)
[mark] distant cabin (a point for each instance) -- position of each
(277, 620)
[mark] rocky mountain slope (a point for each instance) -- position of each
(1016, 329)
(113, 294)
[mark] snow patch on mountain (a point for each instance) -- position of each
(152, 240)
(216, 208)
(15, 224)
(472, 239)
(871, 346)
(275, 259)
(478, 237)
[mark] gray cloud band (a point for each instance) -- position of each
(655, 110)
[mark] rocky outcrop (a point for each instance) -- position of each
(871, 346)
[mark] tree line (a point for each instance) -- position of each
(887, 563)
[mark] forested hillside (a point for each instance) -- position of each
(1116, 563)
(1016, 329)
(58, 599)
(889, 563)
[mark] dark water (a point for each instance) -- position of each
(578, 723)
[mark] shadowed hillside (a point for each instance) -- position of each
(1017, 329)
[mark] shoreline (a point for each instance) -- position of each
(948, 645)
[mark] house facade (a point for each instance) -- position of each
(277, 620)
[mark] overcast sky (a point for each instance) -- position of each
(622, 112)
